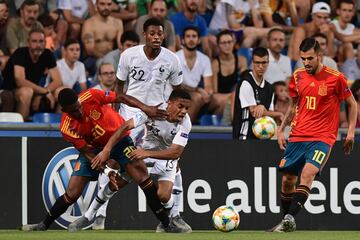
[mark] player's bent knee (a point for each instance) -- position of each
(113, 164)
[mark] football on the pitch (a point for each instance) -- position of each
(225, 218)
(264, 127)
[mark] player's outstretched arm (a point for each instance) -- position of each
(171, 153)
(352, 115)
(289, 115)
(100, 159)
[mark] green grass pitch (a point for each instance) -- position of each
(196, 235)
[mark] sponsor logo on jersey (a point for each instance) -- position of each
(180, 73)
(55, 181)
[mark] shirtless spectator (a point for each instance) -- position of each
(319, 24)
(99, 34)
(75, 13)
(125, 10)
(158, 9)
(345, 32)
(18, 28)
(4, 17)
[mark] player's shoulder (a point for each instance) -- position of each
(299, 70)
(167, 53)
(332, 72)
(186, 122)
(90, 94)
(131, 51)
(65, 127)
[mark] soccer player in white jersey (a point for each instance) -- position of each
(164, 143)
(146, 69)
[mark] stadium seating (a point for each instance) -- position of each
(247, 53)
(10, 117)
(46, 117)
(210, 120)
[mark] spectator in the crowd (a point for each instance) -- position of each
(4, 17)
(254, 97)
(279, 68)
(106, 76)
(125, 10)
(195, 66)
(18, 28)
(281, 97)
(190, 17)
(25, 73)
(48, 23)
(72, 71)
(351, 67)
(345, 32)
(326, 60)
(128, 39)
(320, 24)
(158, 10)
(277, 13)
(228, 15)
(75, 13)
(7, 100)
(99, 34)
(355, 89)
(226, 68)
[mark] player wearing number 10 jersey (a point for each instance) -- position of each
(316, 91)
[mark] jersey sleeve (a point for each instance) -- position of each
(139, 119)
(70, 135)
(182, 136)
(123, 67)
(102, 97)
(292, 87)
(176, 75)
(342, 90)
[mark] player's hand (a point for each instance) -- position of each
(348, 145)
(138, 154)
(100, 159)
(154, 112)
(281, 140)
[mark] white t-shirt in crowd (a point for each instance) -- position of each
(79, 8)
(278, 70)
(71, 76)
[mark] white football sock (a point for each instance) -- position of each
(177, 195)
(103, 196)
(102, 181)
(169, 203)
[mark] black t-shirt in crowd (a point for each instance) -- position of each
(34, 72)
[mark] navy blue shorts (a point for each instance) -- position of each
(119, 153)
(299, 153)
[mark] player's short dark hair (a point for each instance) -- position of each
(320, 35)
(46, 20)
(152, 2)
(67, 97)
(193, 28)
(152, 22)
(260, 52)
(344, 1)
(129, 36)
(308, 44)
(179, 93)
(36, 30)
(29, 3)
(70, 41)
(276, 29)
(222, 33)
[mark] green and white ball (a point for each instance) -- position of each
(264, 127)
(225, 218)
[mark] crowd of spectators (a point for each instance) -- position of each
(46, 45)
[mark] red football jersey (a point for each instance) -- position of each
(318, 108)
(99, 123)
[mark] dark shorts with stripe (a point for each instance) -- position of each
(299, 153)
(119, 153)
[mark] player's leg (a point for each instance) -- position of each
(62, 203)
(99, 223)
(288, 186)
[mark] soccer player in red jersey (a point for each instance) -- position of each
(88, 122)
(316, 93)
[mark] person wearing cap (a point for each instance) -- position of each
(320, 23)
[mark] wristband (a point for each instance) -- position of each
(108, 169)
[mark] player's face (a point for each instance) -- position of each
(226, 44)
(104, 7)
(158, 10)
(177, 109)
(311, 60)
(72, 52)
(154, 36)
(277, 41)
(36, 43)
(260, 64)
(74, 111)
(29, 14)
(346, 12)
(191, 40)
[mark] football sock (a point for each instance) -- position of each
(299, 198)
(60, 206)
(169, 204)
(153, 201)
(177, 195)
(102, 181)
(286, 199)
(101, 198)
